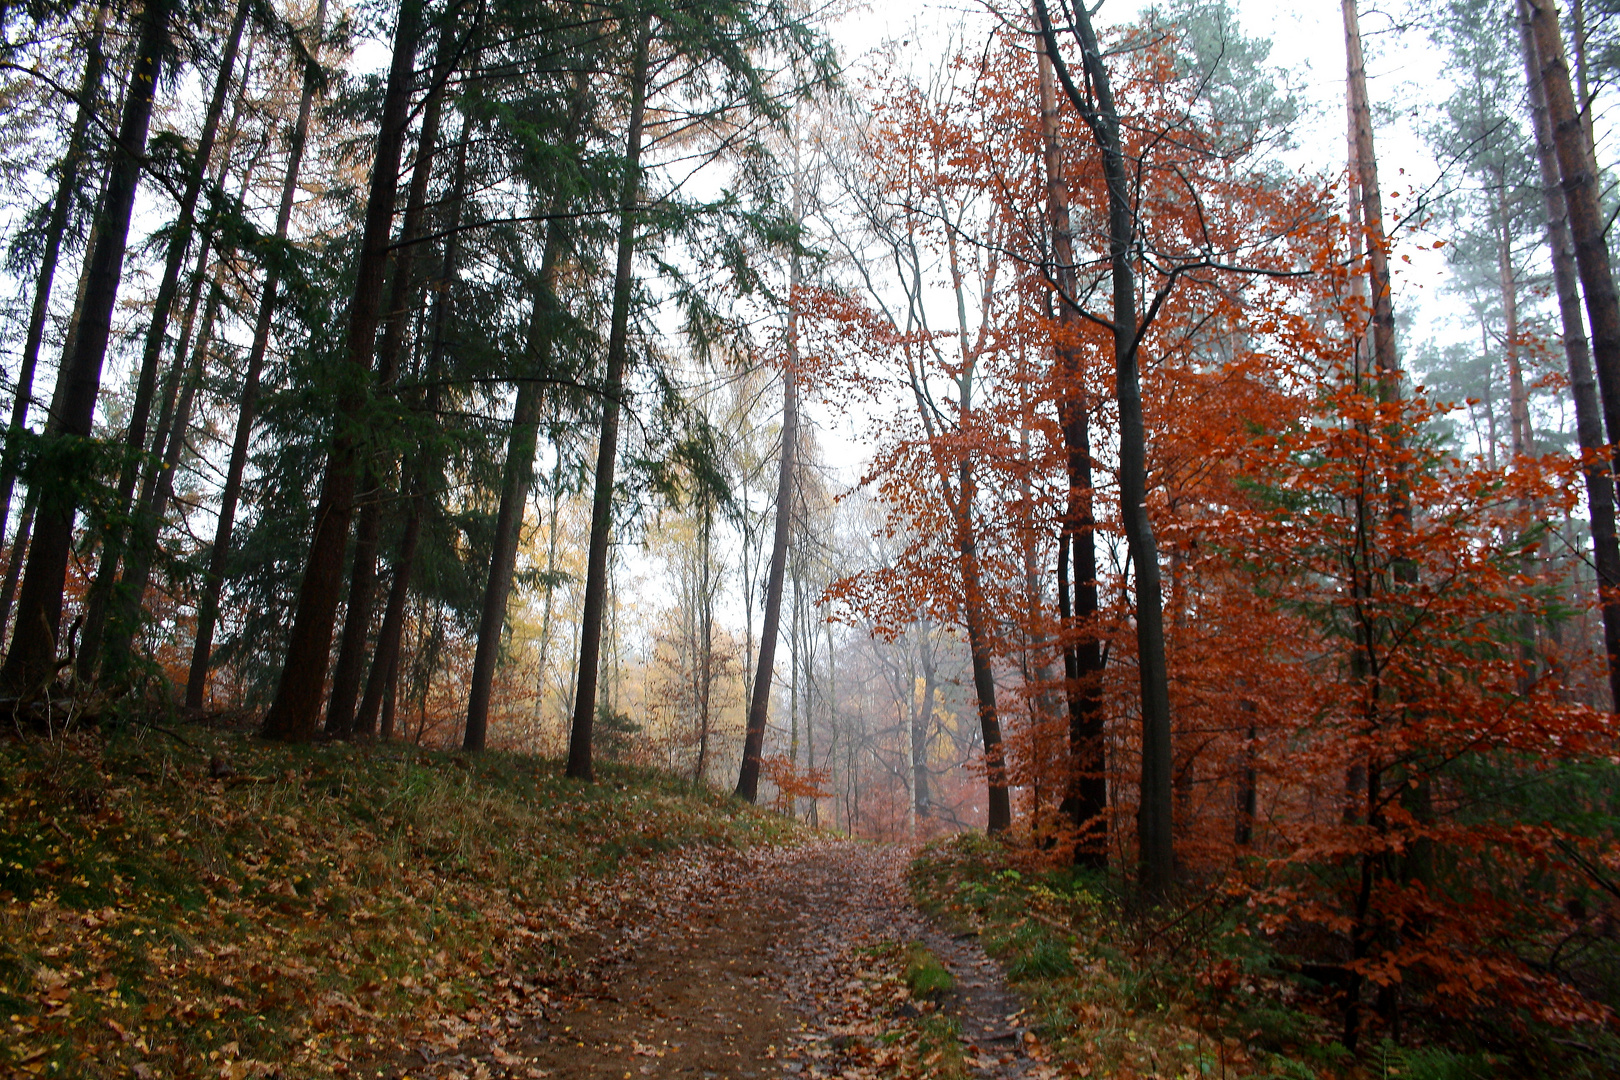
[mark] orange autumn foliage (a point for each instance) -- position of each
(1351, 609)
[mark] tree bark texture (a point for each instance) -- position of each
(135, 435)
(31, 660)
(247, 404)
(294, 714)
(590, 638)
(1156, 853)
(1577, 355)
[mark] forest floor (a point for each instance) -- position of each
(196, 903)
(774, 962)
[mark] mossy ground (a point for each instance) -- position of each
(158, 920)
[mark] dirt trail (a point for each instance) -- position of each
(762, 965)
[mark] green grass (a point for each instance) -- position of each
(318, 901)
(939, 1048)
(924, 975)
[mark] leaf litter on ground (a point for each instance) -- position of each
(386, 911)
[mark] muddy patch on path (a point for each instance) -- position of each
(770, 964)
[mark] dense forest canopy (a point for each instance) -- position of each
(1073, 429)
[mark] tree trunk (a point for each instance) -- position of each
(1372, 210)
(1518, 400)
(247, 406)
(169, 444)
(153, 505)
(67, 188)
(135, 438)
(14, 564)
(1085, 800)
(1248, 789)
(922, 724)
(1577, 14)
(32, 658)
(759, 705)
(1578, 179)
(1583, 386)
(363, 576)
(516, 477)
(981, 651)
(19, 544)
(518, 473)
(390, 698)
(705, 640)
(596, 568)
(1368, 775)
(296, 710)
(1156, 849)
(382, 679)
(554, 496)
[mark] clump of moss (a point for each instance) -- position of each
(924, 975)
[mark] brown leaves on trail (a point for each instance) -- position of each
(771, 962)
(840, 955)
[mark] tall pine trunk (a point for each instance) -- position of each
(294, 714)
(759, 705)
(363, 576)
(1577, 175)
(379, 697)
(1367, 776)
(153, 504)
(1577, 356)
(516, 477)
(31, 660)
(596, 568)
(247, 403)
(1523, 439)
(25, 527)
(67, 189)
(135, 436)
(157, 486)
(1371, 204)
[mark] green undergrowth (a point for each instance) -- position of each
(924, 975)
(939, 1048)
(208, 909)
(1187, 992)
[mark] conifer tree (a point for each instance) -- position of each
(63, 469)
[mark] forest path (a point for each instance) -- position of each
(774, 964)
